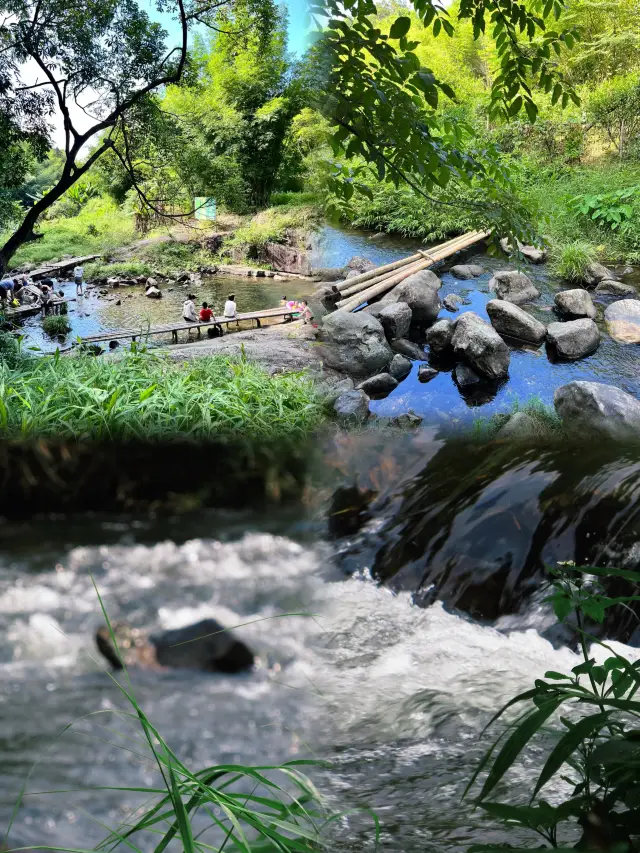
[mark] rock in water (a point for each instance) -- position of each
(332, 389)
(623, 321)
(381, 383)
(360, 264)
(576, 303)
(574, 339)
(533, 254)
(426, 373)
(400, 367)
(610, 287)
(586, 407)
(355, 343)
(513, 286)
(452, 301)
(508, 319)
(329, 273)
(206, 645)
(395, 319)
(466, 271)
(352, 406)
(439, 335)
(595, 273)
(287, 259)
(408, 348)
(519, 425)
(465, 377)
(421, 295)
(480, 346)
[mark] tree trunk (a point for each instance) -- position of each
(622, 140)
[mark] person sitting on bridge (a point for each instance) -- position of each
(230, 307)
(206, 314)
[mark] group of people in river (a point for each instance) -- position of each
(23, 291)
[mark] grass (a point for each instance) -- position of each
(570, 261)
(147, 397)
(547, 425)
(56, 325)
(120, 269)
(273, 226)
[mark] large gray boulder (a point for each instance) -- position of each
(452, 301)
(510, 320)
(576, 303)
(352, 406)
(513, 286)
(595, 273)
(287, 259)
(574, 339)
(400, 367)
(520, 425)
(354, 343)
(480, 346)
(439, 335)
(360, 264)
(593, 407)
(465, 377)
(408, 348)
(623, 320)
(426, 373)
(421, 295)
(532, 253)
(466, 271)
(395, 319)
(329, 273)
(609, 287)
(381, 383)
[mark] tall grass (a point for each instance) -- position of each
(56, 324)
(571, 260)
(547, 426)
(147, 397)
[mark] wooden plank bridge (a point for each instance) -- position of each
(41, 272)
(286, 314)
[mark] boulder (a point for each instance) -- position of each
(623, 320)
(513, 286)
(465, 377)
(421, 295)
(466, 271)
(452, 301)
(352, 274)
(213, 242)
(439, 335)
(329, 274)
(532, 253)
(609, 287)
(519, 425)
(426, 373)
(395, 319)
(360, 264)
(574, 339)
(287, 259)
(400, 367)
(597, 408)
(355, 343)
(480, 346)
(352, 406)
(408, 348)
(330, 390)
(576, 303)
(381, 383)
(322, 300)
(510, 320)
(595, 273)
(151, 282)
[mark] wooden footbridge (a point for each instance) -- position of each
(286, 314)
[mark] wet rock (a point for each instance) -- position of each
(595, 273)
(574, 339)
(381, 383)
(360, 265)
(151, 282)
(609, 287)
(287, 259)
(576, 303)
(465, 377)
(408, 348)
(439, 335)
(330, 390)
(118, 301)
(400, 367)
(480, 346)
(426, 373)
(510, 320)
(329, 273)
(377, 236)
(623, 321)
(348, 510)
(466, 271)
(513, 286)
(352, 406)
(323, 300)
(452, 301)
(532, 253)
(355, 343)
(395, 319)
(519, 425)
(592, 407)
(421, 295)
(408, 419)
(182, 277)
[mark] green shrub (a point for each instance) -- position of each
(570, 261)
(273, 225)
(123, 269)
(548, 425)
(10, 351)
(56, 324)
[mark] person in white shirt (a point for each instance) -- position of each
(230, 307)
(78, 277)
(189, 310)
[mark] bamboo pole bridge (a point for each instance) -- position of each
(361, 289)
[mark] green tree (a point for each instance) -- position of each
(614, 106)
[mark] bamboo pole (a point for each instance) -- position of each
(363, 285)
(437, 254)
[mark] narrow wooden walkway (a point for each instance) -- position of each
(61, 265)
(174, 328)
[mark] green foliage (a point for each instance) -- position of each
(56, 324)
(614, 210)
(614, 106)
(146, 397)
(596, 749)
(547, 425)
(571, 260)
(11, 353)
(125, 269)
(274, 225)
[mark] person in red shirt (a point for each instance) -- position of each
(206, 314)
